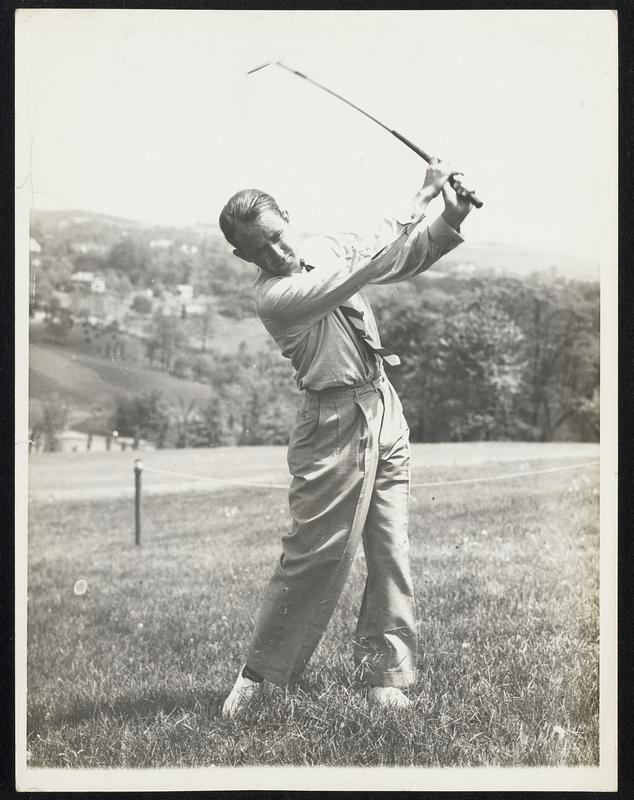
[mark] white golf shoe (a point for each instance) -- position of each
(243, 690)
(387, 696)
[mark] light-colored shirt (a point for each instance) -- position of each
(300, 311)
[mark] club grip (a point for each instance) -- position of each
(473, 197)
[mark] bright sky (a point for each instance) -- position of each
(150, 115)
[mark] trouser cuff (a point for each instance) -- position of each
(399, 680)
(268, 672)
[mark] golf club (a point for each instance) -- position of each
(473, 198)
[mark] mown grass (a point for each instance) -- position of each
(133, 673)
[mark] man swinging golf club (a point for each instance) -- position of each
(349, 450)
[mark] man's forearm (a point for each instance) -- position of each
(422, 199)
(453, 218)
(423, 246)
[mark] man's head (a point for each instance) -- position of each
(253, 223)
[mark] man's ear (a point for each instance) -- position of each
(239, 255)
(284, 215)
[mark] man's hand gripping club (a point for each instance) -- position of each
(457, 203)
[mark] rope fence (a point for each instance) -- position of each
(139, 468)
(222, 481)
(507, 476)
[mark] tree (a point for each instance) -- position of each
(112, 341)
(506, 357)
(207, 320)
(89, 262)
(47, 422)
(144, 416)
(211, 431)
(560, 322)
(112, 279)
(202, 368)
(129, 257)
(59, 321)
(168, 336)
(181, 366)
(411, 325)
(481, 356)
(123, 287)
(58, 269)
(184, 415)
(142, 304)
(259, 394)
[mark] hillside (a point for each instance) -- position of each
(496, 256)
(87, 382)
(228, 334)
(504, 257)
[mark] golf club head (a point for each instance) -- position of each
(267, 64)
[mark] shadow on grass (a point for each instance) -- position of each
(152, 704)
(311, 687)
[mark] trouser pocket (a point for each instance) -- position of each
(326, 443)
(300, 453)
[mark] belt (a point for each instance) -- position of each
(332, 392)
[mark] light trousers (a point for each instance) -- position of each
(349, 458)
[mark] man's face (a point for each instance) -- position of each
(268, 243)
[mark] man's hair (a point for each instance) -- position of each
(243, 207)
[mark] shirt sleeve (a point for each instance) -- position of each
(416, 248)
(303, 298)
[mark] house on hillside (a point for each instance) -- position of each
(89, 248)
(88, 281)
(194, 309)
(203, 306)
(34, 249)
(160, 244)
(177, 303)
(186, 248)
(185, 292)
(82, 279)
(466, 268)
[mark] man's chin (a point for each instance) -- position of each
(282, 270)
(288, 268)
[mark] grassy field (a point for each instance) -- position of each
(84, 475)
(133, 673)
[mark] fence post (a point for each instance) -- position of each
(138, 469)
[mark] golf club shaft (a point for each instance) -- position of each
(473, 198)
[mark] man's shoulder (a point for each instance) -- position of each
(269, 291)
(263, 284)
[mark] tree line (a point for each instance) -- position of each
(486, 358)
(496, 357)
(251, 402)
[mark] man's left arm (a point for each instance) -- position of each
(419, 245)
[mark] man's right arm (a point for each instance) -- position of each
(308, 296)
